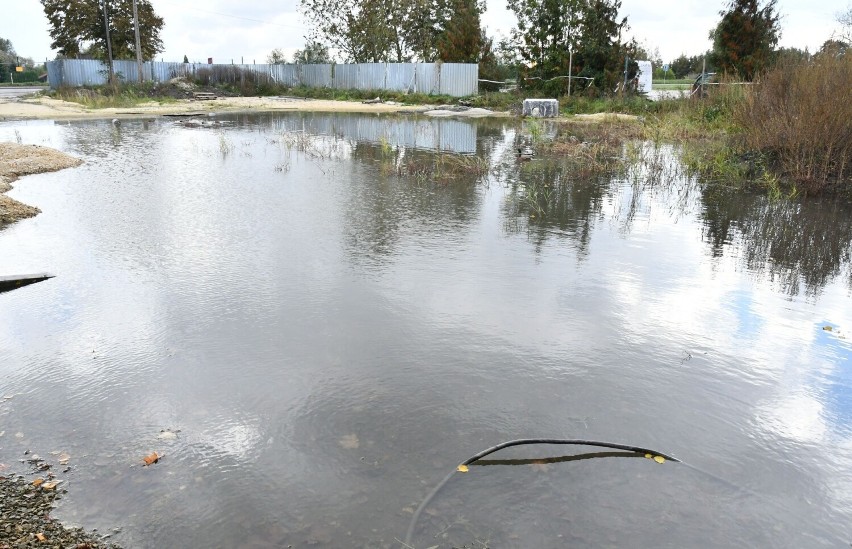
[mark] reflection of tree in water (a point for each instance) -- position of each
(576, 183)
(544, 199)
(385, 207)
(794, 243)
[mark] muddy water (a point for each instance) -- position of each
(314, 341)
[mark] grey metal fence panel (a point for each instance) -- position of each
(285, 75)
(371, 76)
(125, 71)
(427, 79)
(316, 76)
(345, 77)
(399, 77)
(459, 79)
(54, 73)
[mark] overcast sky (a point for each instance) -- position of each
(228, 29)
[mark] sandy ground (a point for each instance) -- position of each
(17, 160)
(40, 107)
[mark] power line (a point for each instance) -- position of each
(233, 16)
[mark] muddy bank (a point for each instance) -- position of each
(18, 160)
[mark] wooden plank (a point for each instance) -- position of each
(12, 282)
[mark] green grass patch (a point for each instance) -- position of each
(107, 97)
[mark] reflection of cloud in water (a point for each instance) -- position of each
(238, 439)
(798, 416)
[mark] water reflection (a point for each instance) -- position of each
(796, 245)
(332, 323)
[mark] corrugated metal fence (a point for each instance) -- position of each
(455, 79)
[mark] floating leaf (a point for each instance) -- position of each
(659, 459)
(38, 482)
(648, 456)
(154, 457)
(827, 328)
(63, 458)
(167, 435)
(41, 537)
(462, 469)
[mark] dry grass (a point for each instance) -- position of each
(799, 116)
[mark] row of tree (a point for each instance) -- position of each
(9, 60)
(79, 28)
(550, 36)
(553, 38)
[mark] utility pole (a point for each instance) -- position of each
(138, 42)
(109, 45)
(570, 66)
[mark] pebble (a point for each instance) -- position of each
(24, 514)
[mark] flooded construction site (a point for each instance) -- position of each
(312, 319)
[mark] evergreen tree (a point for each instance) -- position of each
(462, 39)
(548, 30)
(600, 52)
(744, 39)
(7, 57)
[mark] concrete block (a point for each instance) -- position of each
(544, 108)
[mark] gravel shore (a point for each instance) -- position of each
(17, 160)
(25, 519)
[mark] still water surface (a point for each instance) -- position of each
(328, 339)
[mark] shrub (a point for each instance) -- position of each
(799, 115)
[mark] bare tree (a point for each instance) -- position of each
(845, 20)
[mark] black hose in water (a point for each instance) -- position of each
(521, 442)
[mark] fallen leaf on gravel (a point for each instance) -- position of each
(154, 457)
(41, 537)
(38, 482)
(350, 442)
(50, 485)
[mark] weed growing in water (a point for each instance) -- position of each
(385, 146)
(225, 145)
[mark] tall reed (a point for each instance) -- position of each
(799, 115)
